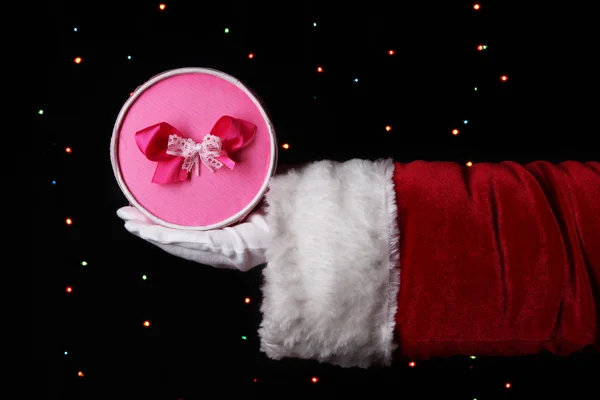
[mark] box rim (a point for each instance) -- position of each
(115, 134)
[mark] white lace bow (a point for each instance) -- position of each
(207, 151)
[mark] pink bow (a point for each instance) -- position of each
(177, 155)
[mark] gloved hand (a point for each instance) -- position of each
(236, 247)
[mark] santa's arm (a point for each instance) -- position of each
(374, 261)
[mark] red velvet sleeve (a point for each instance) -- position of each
(498, 258)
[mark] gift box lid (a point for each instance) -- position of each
(233, 147)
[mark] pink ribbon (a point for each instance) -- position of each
(177, 155)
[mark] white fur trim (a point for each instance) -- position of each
(332, 276)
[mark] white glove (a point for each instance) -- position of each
(237, 247)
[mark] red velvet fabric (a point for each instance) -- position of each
(498, 259)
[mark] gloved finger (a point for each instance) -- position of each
(131, 214)
(242, 236)
(147, 230)
(203, 240)
(135, 221)
(201, 254)
(242, 248)
(135, 226)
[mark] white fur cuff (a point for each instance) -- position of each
(332, 275)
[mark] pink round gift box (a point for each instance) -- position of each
(192, 100)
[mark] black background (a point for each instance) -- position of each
(545, 110)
